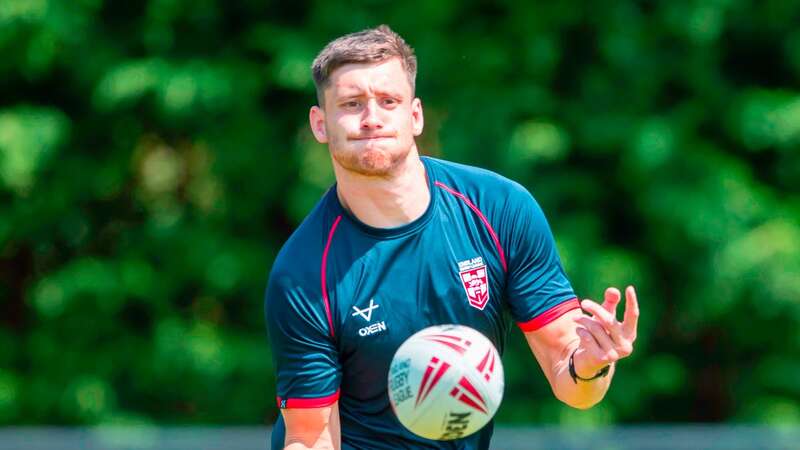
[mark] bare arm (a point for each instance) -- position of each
(312, 428)
(597, 341)
(552, 346)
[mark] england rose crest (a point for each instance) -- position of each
(475, 279)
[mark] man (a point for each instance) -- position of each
(388, 244)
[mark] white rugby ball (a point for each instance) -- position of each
(446, 382)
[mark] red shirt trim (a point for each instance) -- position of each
(318, 402)
(550, 315)
(483, 218)
(323, 273)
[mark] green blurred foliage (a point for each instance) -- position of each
(155, 154)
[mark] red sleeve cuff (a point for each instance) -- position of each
(550, 315)
(318, 402)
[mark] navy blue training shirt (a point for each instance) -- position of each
(342, 296)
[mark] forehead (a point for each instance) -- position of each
(385, 76)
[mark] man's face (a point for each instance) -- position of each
(370, 117)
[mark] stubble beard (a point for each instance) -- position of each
(371, 162)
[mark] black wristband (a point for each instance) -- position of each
(575, 377)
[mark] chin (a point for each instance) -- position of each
(376, 158)
(373, 161)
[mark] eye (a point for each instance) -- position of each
(390, 101)
(351, 104)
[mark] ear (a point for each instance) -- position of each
(417, 119)
(316, 117)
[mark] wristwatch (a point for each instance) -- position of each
(575, 377)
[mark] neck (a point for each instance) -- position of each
(387, 201)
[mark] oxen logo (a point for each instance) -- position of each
(475, 279)
(366, 313)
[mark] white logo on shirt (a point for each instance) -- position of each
(372, 329)
(365, 313)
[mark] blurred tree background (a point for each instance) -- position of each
(155, 154)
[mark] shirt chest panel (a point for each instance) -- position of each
(398, 287)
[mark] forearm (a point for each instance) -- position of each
(316, 446)
(583, 394)
(322, 442)
(600, 341)
(312, 428)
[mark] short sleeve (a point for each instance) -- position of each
(538, 290)
(303, 351)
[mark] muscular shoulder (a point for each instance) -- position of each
(307, 243)
(296, 270)
(490, 191)
(292, 300)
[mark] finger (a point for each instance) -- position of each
(597, 356)
(590, 346)
(603, 316)
(631, 319)
(600, 335)
(611, 300)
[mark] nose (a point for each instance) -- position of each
(371, 120)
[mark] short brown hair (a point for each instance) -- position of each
(368, 46)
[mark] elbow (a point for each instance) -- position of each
(581, 405)
(578, 402)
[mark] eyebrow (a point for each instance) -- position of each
(353, 92)
(390, 93)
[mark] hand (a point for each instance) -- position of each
(603, 339)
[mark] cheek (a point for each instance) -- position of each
(334, 129)
(345, 124)
(408, 123)
(409, 118)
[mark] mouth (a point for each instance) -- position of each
(370, 138)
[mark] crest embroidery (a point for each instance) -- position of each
(475, 279)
